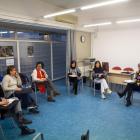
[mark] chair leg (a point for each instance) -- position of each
(2, 132)
(68, 88)
(82, 86)
(12, 121)
(35, 92)
(94, 87)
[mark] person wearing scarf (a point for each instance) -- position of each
(100, 74)
(131, 86)
(73, 70)
(40, 76)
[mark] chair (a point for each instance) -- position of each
(80, 81)
(24, 79)
(116, 68)
(138, 91)
(34, 88)
(98, 84)
(39, 134)
(1, 78)
(128, 69)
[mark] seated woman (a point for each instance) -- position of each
(99, 73)
(73, 70)
(40, 76)
(17, 114)
(9, 85)
(131, 86)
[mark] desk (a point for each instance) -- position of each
(115, 76)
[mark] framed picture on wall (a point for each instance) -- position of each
(9, 51)
(2, 52)
(30, 50)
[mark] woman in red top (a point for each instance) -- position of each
(39, 75)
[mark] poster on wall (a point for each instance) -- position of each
(9, 51)
(9, 62)
(2, 52)
(30, 51)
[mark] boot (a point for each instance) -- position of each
(22, 119)
(128, 102)
(25, 130)
(50, 98)
(56, 93)
(120, 94)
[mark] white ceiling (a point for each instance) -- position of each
(128, 9)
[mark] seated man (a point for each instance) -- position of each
(39, 75)
(17, 114)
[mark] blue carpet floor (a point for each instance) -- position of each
(71, 116)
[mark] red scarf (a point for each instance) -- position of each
(41, 85)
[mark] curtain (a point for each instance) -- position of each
(70, 49)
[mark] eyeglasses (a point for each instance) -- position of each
(39, 66)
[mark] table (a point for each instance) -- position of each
(115, 76)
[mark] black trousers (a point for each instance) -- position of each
(129, 88)
(75, 82)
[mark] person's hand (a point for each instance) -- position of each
(17, 74)
(42, 70)
(77, 78)
(44, 79)
(100, 75)
(73, 74)
(138, 84)
(18, 89)
(5, 101)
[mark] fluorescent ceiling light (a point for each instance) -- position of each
(102, 4)
(98, 24)
(3, 32)
(59, 13)
(135, 20)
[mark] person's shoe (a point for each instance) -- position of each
(35, 105)
(31, 106)
(33, 111)
(120, 94)
(103, 96)
(25, 130)
(128, 102)
(22, 119)
(56, 93)
(50, 99)
(109, 91)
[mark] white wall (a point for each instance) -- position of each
(118, 46)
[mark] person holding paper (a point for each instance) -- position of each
(40, 76)
(99, 75)
(131, 86)
(10, 85)
(17, 114)
(74, 74)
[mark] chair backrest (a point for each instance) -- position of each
(116, 68)
(1, 92)
(24, 78)
(1, 78)
(128, 69)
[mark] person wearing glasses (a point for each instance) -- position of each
(131, 86)
(10, 85)
(41, 78)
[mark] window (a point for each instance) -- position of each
(32, 35)
(58, 37)
(4, 33)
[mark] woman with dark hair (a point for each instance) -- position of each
(73, 70)
(131, 86)
(40, 76)
(99, 73)
(10, 85)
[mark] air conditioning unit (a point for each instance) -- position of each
(67, 18)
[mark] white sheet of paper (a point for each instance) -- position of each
(9, 62)
(73, 75)
(129, 81)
